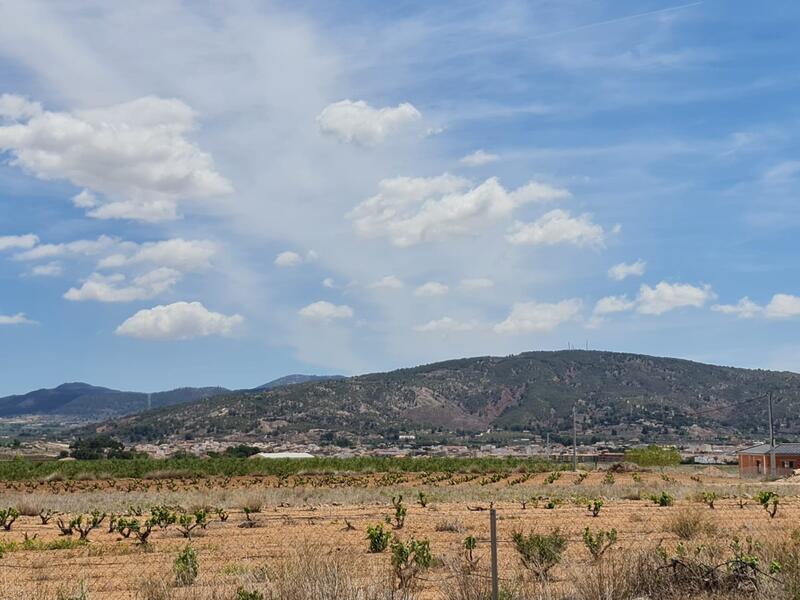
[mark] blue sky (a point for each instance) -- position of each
(192, 196)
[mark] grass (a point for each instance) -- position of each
(142, 468)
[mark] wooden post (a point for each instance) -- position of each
(493, 535)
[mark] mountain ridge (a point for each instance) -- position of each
(618, 395)
(91, 402)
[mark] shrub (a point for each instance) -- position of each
(46, 514)
(85, 526)
(186, 566)
(664, 499)
(7, 517)
(580, 478)
(595, 506)
(378, 538)
(243, 594)
(689, 524)
(598, 543)
(637, 478)
(539, 552)
(553, 477)
(422, 498)
(708, 498)
(409, 558)
(163, 516)
(188, 522)
(608, 479)
(769, 502)
(400, 511)
(451, 526)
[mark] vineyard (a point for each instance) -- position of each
(390, 534)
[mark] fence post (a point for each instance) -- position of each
(493, 535)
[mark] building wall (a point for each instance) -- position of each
(758, 465)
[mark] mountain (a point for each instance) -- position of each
(617, 396)
(86, 401)
(295, 379)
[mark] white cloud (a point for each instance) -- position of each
(478, 283)
(390, 282)
(293, 259)
(431, 289)
(28, 240)
(557, 227)
(178, 321)
(328, 282)
(744, 309)
(325, 311)
(665, 297)
(112, 288)
(446, 325)
(783, 306)
(359, 123)
(17, 319)
(478, 158)
(78, 247)
(613, 304)
(529, 317)
(177, 253)
(623, 270)
(135, 154)
(288, 259)
(15, 108)
(51, 269)
(410, 210)
(84, 199)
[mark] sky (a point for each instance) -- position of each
(195, 193)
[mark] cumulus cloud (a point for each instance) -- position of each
(177, 253)
(178, 321)
(325, 311)
(78, 247)
(665, 297)
(557, 227)
(17, 319)
(431, 289)
(783, 306)
(135, 155)
(410, 210)
(84, 199)
(446, 325)
(15, 108)
(359, 123)
(51, 269)
(293, 259)
(28, 240)
(328, 282)
(624, 270)
(744, 309)
(613, 304)
(531, 317)
(478, 158)
(114, 288)
(478, 283)
(390, 282)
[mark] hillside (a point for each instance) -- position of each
(618, 396)
(92, 402)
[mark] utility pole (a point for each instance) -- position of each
(575, 436)
(773, 468)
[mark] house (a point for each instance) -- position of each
(756, 461)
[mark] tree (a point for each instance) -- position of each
(98, 447)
